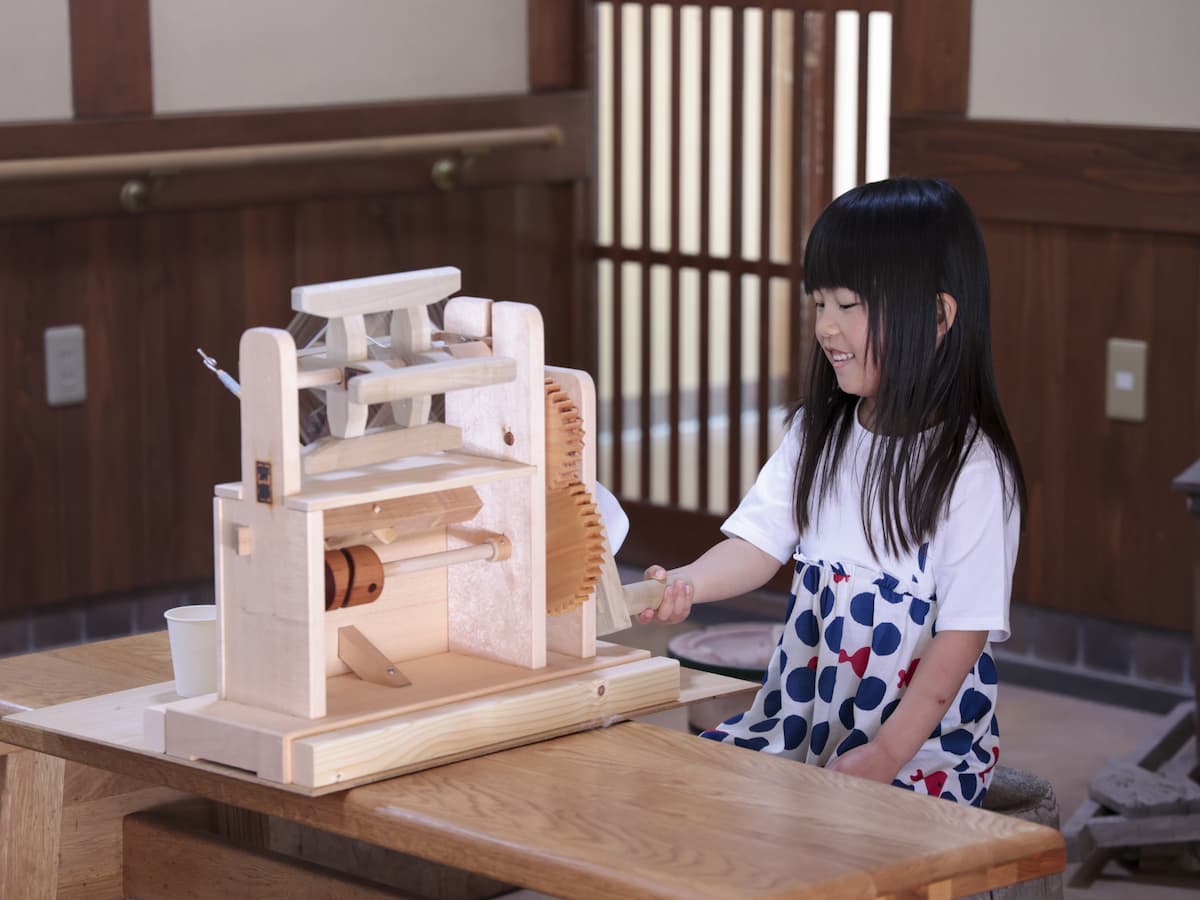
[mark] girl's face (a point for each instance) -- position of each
(841, 330)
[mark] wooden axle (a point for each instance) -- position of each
(355, 575)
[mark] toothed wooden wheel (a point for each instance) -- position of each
(575, 539)
(564, 439)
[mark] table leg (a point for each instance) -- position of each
(31, 789)
(241, 827)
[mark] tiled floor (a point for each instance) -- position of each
(1063, 739)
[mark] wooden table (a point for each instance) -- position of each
(629, 810)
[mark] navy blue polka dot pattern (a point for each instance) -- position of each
(870, 693)
(862, 609)
(801, 684)
(886, 639)
(826, 602)
(851, 647)
(846, 713)
(758, 743)
(772, 703)
(808, 629)
(854, 739)
(820, 734)
(833, 634)
(957, 742)
(827, 682)
(888, 710)
(795, 729)
(973, 705)
(918, 610)
(811, 578)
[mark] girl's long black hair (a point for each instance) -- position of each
(898, 244)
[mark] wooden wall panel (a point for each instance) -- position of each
(1127, 178)
(1080, 255)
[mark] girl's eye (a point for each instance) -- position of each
(847, 305)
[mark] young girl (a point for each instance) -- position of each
(898, 493)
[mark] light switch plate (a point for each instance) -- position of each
(66, 365)
(1125, 391)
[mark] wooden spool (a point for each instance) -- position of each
(353, 576)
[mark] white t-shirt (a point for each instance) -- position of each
(970, 558)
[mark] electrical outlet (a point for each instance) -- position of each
(1125, 393)
(66, 365)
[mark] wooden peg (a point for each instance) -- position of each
(245, 540)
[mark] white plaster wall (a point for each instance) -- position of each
(241, 54)
(1101, 62)
(35, 60)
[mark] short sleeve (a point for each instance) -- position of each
(766, 517)
(974, 551)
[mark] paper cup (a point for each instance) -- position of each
(192, 631)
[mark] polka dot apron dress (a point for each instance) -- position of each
(852, 642)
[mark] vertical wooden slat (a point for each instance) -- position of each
(863, 50)
(828, 83)
(801, 191)
(674, 462)
(111, 71)
(647, 393)
(733, 482)
(764, 236)
(618, 241)
(702, 435)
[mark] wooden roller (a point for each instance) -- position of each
(355, 575)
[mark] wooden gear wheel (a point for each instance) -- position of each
(575, 541)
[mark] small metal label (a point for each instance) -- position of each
(262, 481)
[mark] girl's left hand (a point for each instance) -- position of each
(870, 760)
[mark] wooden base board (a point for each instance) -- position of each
(456, 707)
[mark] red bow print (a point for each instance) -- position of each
(934, 781)
(858, 660)
(906, 675)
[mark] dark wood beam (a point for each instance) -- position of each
(110, 58)
(931, 56)
(558, 44)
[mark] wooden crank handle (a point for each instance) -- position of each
(642, 595)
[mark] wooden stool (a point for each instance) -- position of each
(1013, 792)
(738, 650)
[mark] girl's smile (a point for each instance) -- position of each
(841, 329)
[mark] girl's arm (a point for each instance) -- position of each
(944, 667)
(727, 569)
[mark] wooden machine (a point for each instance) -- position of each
(394, 598)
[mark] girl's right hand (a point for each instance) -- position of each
(677, 600)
